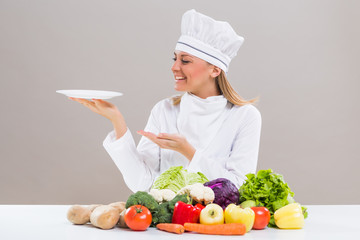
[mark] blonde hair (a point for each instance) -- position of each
(227, 90)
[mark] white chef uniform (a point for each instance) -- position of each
(226, 138)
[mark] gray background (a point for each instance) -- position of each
(300, 57)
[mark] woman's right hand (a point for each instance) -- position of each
(99, 106)
(108, 110)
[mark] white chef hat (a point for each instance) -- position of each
(213, 41)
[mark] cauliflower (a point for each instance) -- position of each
(163, 195)
(199, 193)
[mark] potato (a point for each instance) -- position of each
(120, 206)
(122, 222)
(78, 214)
(104, 217)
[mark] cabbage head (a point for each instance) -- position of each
(176, 178)
(225, 191)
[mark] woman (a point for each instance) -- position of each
(209, 129)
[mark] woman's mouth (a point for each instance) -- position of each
(177, 79)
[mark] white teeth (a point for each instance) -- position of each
(179, 78)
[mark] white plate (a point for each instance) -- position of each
(89, 94)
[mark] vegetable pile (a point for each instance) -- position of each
(267, 189)
(180, 201)
(161, 213)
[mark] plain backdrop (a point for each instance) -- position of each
(300, 57)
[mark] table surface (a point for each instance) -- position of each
(50, 222)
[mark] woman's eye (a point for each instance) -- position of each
(183, 61)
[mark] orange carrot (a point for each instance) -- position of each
(171, 227)
(218, 229)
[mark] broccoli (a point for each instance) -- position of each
(183, 198)
(165, 210)
(163, 214)
(143, 198)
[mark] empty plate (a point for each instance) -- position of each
(89, 94)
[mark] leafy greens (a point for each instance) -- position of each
(176, 178)
(267, 189)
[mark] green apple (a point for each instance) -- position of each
(248, 203)
(236, 214)
(212, 214)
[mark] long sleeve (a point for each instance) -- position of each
(138, 165)
(243, 157)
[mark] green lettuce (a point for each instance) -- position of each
(176, 178)
(267, 189)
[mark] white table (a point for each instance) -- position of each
(49, 222)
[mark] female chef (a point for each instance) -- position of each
(208, 129)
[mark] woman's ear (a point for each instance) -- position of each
(215, 72)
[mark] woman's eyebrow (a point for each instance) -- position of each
(184, 55)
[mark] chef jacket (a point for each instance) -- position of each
(226, 138)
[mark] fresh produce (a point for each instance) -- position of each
(248, 203)
(236, 214)
(163, 214)
(120, 206)
(138, 217)
(171, 227)
(289, 217)
(162, 195)
(78, 214)
(122, 222)
(101, 216)
(219, 229)
(165, 210)
(199, 193)
(142, 198)
(262, 217)
(212, 214)
(200, 206)
(267, 189)
(104, 217)
(176, 178)
(225, 192)
(185, 213)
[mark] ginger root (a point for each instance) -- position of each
(78, 214)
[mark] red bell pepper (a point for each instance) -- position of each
(200, 206)
(185, 213)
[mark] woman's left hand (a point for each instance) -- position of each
(174, 142)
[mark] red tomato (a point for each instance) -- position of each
(262, 217)
(138, 217)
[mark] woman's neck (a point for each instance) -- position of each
(205, 93)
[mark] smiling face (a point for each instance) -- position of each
(194, 75)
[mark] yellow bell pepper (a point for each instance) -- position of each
(289, 217)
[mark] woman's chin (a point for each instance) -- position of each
(179, 89)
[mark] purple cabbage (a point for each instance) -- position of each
(225, 192)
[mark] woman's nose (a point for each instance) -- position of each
(175, 66)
